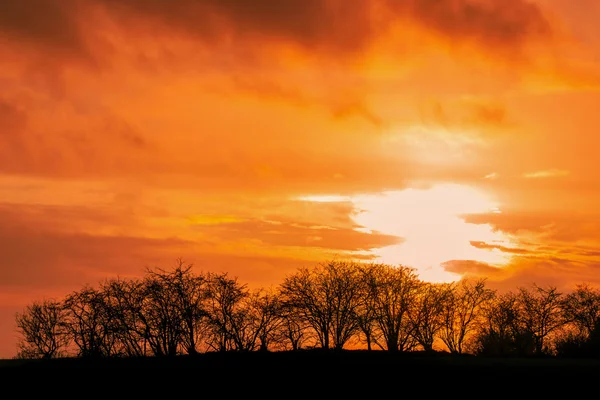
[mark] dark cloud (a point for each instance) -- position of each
(336, 26)
(49, 23)
(495, 24)
(312, 24)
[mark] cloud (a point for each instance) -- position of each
(565, 243)
(504, 249)
(478, 119)
(12, 119)
(45, 23)
(543, 232)
(50, 260)
(320, 26)
(285, 233)
(561, 273)
(55, 248)
(44, 136)
(307, 23)
(548, 173)
(469, 267)
(502, 25)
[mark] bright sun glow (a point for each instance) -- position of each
(429, 221)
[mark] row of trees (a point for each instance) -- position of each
(335, 305)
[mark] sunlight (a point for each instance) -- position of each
(430, 222)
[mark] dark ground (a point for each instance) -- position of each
(350, 373)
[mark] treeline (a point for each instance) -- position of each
(335, 305)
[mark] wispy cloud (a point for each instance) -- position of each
(547, 173)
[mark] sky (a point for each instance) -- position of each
(458, 137)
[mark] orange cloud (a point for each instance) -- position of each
(278, 233)
(470, 268)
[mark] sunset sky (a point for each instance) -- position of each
(253, 137)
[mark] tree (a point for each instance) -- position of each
(503, 332)
(581, 309)
(462, 312)
(393, 291)
(225, 316)
(343, 282)
(542, 313)
(161, 313)
(293, 332)
(265, 308)
(581, 314)
(365, 315)
(90, 325)
(327, 298)
(43, 329)
(427, 314)
(187, 293)
(125, 301)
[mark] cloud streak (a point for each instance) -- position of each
(548, 173)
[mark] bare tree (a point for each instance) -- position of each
(344, 286)
(327, 297)
(581, 309)
(427, 314)
(223, 305)
(125, 303)
(542, 313)
(503, 331)
(462, 312)
(187, 292)
(393, 291)
(43, 330)
(293, 333)
(161, 314)
(265, 308)
(365, 315)
(305, 301)
(90, 325)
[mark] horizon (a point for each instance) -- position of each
(458, 139)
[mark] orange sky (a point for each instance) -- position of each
(254, 137)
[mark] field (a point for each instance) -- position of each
(307, 373)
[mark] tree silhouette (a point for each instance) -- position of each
(327, 298)
(542, 313)
(393, 292)
(89, 323)
(427, 314)
(43, 329)
(333, 306)
(462, 312)
(503, 332)
(125, 300)
(225, 323)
